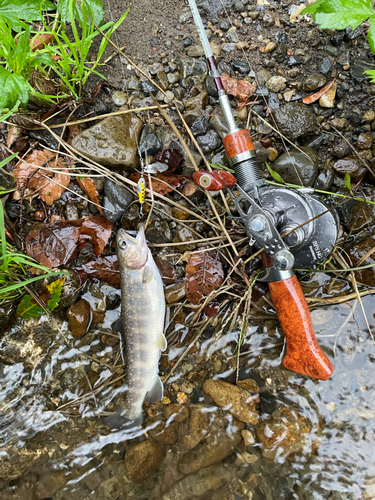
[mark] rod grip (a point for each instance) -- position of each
(303, 355)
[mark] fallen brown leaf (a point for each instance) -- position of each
(172, 157)
(58, 243)
(49, 185)
(204, 274)
(317, 95)
(87, 185)
(13, 134)
(161, 183)
(105, 268)
(39, 41)
(168, 274)
(240, 89)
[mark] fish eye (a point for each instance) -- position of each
(122, 244)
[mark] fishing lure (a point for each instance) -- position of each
(141, 189)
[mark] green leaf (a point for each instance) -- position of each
(221, 167)
(371, 34)
(275, 175)
(340, 14)
(12, 11)
(28, 308)
(371, 74)
(347, 181)
(12, 89)
(55, 290)
(94, 9)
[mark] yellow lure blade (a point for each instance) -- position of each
(141, 190)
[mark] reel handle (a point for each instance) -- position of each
(303, 354)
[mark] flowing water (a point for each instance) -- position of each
(313, 440)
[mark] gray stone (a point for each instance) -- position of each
(241, 67)
(209, 142)
(116, 198)
(279, 54)
(326, 65)
(295, 168)
(219, 124)
(231, 36)
(200, 126)
(189, 66)
(229, 47)
(149, 144)
(112, 142)
(159, 232)
(295, 120)
(195, 51)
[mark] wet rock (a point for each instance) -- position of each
(117, 199)
(200, 126)
(176, 412)
(219, 124)
(369, 116)
(143, 459)
(313, 82)
(365, 140)
(209, 142)
(351, 164)
(201, 484)
(112, 142)
(272, 154)
(295, 168)
(241, 67)
(7, 315)
(175, 292)
(341, 148)
(179, 213)
(198, 427)
(276, 83)
(7, 181)
(325, 179)
(189, 66)
(295, 120)
(358, 67)
(283, 434)
(240, 402)
(183, 235)
(159, 232)
(196, 103)
(328, 99)
(221, 445)
(149, 88)
(119, 98)
(195, 51)
(279, 54)
(356, 254)
(80, 317)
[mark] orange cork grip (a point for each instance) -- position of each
(303, 355)
(238, 142)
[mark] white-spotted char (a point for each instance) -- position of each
(142, 315)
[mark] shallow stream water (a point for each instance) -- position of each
(314, 440)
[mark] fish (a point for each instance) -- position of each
(142, 319)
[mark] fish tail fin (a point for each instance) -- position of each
(119, 421)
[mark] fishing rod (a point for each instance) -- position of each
(292, 226)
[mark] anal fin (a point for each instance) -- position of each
(156, 393)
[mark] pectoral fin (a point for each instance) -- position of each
(156, 393)
(161, 343)
(147, 274)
